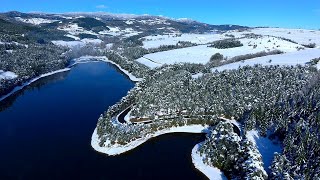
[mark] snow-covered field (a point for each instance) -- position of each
(7, 75)
(265, 146)
(202, 53)
(292, 58)
(173, 39)
(35, 21)
(301, 36)
(212, 173)
(117, 149)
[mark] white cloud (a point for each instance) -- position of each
(102, 6)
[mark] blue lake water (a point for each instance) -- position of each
(45, 132)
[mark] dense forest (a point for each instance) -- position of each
(281, 102)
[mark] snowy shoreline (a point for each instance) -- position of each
(117, 149)
(212, 173)
(85, 59)
(77, 61)
(17, 88)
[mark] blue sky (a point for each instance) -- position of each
(279, 13)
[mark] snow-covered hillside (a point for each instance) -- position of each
(75, 29)
(172, 39)
(202, 53)
(292, 58)
(301, 36)
(35, 21)
(116, 31)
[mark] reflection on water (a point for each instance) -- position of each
(6, 103)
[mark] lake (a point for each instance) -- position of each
(45, 132)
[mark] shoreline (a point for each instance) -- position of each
(68, 68)
(105, 59)
(117, 149)
(212, 173)
(18, 88)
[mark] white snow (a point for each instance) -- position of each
(196, 76)
(154, 21)
(265, 146)
(92, 41)
(128, 117)
(74, 29)
(35, 21)
(117, 149)
(212, 173)
(69, 44)
(80, 43)
(131, 21)
(151, 64)
(116, 31)
(172, 39)
(17, 88)
(7, 75)
(293, 58)
(301, 36)
(202, 53)
(72, 36)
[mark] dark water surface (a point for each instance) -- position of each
(45, 132)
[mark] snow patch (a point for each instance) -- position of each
(8, 75)
(196, 76)
(35, 21)
(69, 44)
(81, 43)
(74, 29)
(116, 31)
(265, 146)
(72, 36)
